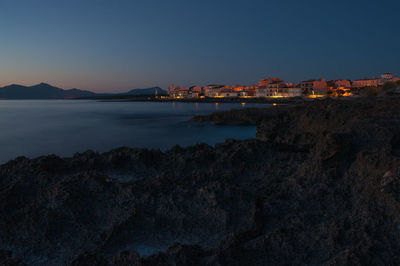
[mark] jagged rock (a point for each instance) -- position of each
(6, 259)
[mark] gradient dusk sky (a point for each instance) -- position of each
(119, 45)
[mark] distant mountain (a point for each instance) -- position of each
(46, 91)
(147, 91)
(41, 91)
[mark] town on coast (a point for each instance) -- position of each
(277, 88)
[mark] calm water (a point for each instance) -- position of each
(34, 128)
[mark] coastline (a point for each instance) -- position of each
(320, 176)
(151, 98)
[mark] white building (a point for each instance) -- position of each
(279, 92)
(227, 93)
(212, 90)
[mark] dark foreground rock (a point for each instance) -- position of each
(248, 116)
(319, 185)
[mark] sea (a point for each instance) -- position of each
(33, 128)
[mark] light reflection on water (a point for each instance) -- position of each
(63, 127)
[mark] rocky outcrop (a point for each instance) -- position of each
(319, 185)
(248, 116)
(7, 259)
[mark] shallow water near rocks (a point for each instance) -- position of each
(33, 128)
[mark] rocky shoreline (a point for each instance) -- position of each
(319, 185)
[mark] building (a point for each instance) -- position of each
(277, 88)
(342, 83)
(361, 83)
(176, 92)
(212, 90)
(314, 84)
(315, 87)
(195, 92)
(226, 93)
(339, 84)
(276, 84)
(295, 92)
(247, 94)
(172, 89)
(278, 92)
(265, 82)
(387, 77)
(248, 91)
(374, 82)
(182, 93)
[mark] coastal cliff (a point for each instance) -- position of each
(319, 185)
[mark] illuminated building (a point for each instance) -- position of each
(212, 90)
(315, 87)
(226, 93)
(360, 83)
(342, 83)
(279, 92)
(265, 82)
(195, 92)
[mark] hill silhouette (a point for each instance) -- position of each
(41, 91)
(47, 91)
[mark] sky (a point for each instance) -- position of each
(117, 45)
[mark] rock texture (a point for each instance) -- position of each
(319, 185)
(248, 116)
